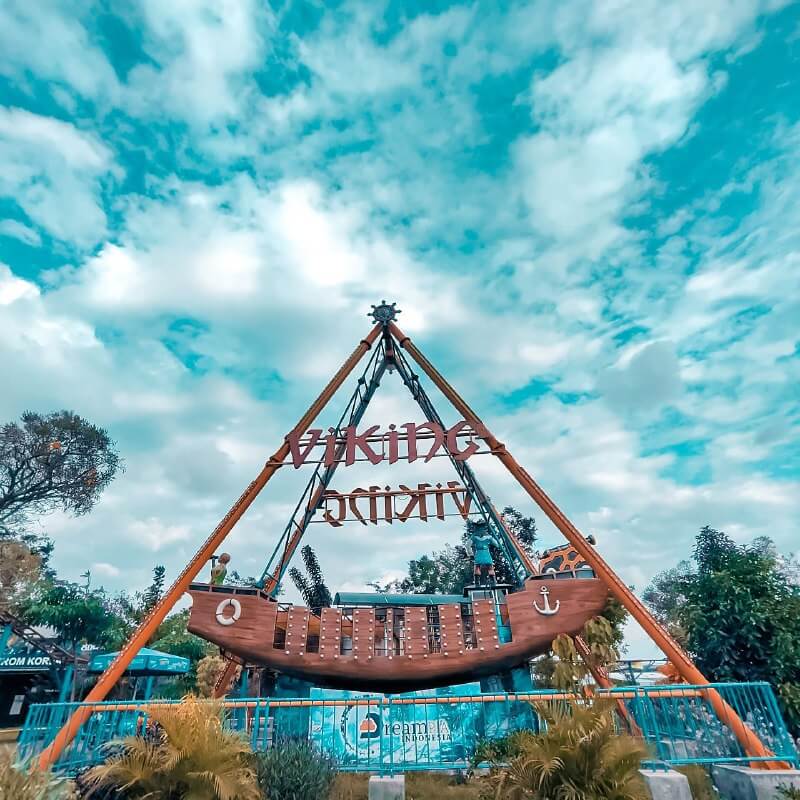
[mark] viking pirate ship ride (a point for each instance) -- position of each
(575, 578)
(394, 643)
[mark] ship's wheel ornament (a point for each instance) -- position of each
(548, 610)
(385, 312)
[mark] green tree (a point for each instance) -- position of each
(128, 611)
(77, 615)
(311, 585)
(737, 610)
(155, 591)
(50, 462)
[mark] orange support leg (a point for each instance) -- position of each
(150, 624)
(751, 744)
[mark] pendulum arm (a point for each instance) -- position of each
(515, 554)
(150, 624)
(751, 744)
(320, 480)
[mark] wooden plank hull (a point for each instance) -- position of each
(354, 652)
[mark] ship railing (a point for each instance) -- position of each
(581, 573)
(228, 589)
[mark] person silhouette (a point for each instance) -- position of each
(219, 570)
(481, 554)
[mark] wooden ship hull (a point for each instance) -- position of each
(396, 648)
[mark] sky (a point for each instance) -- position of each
(589, 214)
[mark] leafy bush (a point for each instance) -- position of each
(187, 753)
(579, 756)
(500, 750)
(21, 783)
(295, 770)
(788, 793)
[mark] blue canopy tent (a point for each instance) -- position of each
(150, 664)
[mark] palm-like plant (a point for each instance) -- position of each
(188, 755)
(579, 757)
(312, 586)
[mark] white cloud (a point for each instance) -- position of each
(627, 88)
(15, 229)
(104, 569)
(208, 316)
(53, 45)
(155, 535)
(52, 170)
(204, 54)
(13, 288)
(647, 378)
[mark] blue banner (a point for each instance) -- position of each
(383, 731)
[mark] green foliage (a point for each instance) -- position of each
(616, 615)
(501, 750)
(564, 668)
(23, 783)
(189, 755)
(788, 792)
(128, 611)
(738, 612)
(155, 591)
(50, 462)
(578, 757)
(295, 770)
(76, 614)
(312, 585)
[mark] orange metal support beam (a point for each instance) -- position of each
(226, 678)
(150, 624)
(750, 742)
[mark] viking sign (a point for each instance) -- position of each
(407, 442)
(387, 505)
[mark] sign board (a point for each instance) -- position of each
(423, 440)
(384, 732)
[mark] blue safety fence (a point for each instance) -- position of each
(680, 725)
(430, 732)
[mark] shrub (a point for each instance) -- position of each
(187, 753)
(21, 783)
(295, 770)
(499, 751)
(579, 756)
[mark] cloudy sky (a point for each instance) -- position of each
(588, 212)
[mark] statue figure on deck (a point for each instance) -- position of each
(219, 569)
(482, 556)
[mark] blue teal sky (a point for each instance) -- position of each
(588, 212)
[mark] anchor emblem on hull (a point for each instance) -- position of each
(548, 610)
